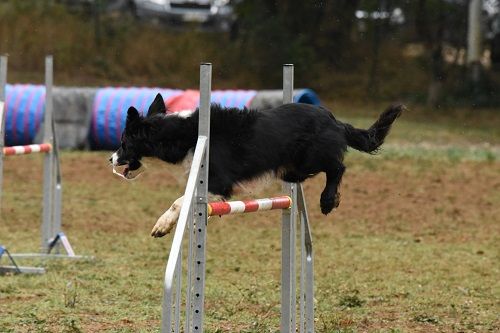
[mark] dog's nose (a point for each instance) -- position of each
(111, 159)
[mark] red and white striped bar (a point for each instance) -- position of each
(23, 150)
(235, 207)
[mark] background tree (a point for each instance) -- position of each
(303, 32)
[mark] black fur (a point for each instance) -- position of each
(295, 141)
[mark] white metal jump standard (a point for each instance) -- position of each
(51, 235)
(194, 216)
(14, 268)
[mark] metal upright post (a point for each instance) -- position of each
(288, 235)
(3, 111)
(190, 268)
(195, 203)
(57, 187)
(200, 219)
(306, 267)
(49, 175)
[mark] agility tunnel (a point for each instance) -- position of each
(110, 112)
(25, 105)
(111, 104)
(95, 117)
(25, 109)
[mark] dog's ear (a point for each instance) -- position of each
(158, 106)
(133, 118)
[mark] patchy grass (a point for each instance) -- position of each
(419, 125)
(412, 248)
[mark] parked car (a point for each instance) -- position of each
(215, 14)
(208, 14)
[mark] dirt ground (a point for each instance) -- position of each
(413, 247)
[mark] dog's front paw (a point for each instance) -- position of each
(164, 225)
(328, 203)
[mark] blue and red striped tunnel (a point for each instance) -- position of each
(25, 107)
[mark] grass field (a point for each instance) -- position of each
(413, 247)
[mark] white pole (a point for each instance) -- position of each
(288, 233)
(201, 201)
(48, 169)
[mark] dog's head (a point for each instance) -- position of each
(135, 141)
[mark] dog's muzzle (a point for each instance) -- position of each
(127, 171)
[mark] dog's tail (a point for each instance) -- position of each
(371, 139)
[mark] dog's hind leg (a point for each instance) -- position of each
(330, 197)
(168, 220)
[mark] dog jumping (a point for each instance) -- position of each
(292, 141)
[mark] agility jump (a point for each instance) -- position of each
(249, 206)
(51, 234)
(28, 149)
(194, 217)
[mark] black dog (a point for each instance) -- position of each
(294, 141)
